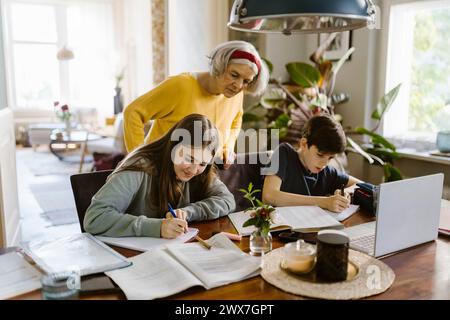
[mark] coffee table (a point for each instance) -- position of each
(81, 137)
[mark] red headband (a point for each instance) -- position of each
(238, 54)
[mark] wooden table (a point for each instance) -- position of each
(422, 272)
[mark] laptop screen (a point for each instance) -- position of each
(407, 213)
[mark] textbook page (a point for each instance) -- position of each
(153, 274)
(146, 243)
(17, 276)
(296, 217)
(347, 213)
(77, 252)
(218, 266)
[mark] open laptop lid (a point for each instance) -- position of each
(408, 213)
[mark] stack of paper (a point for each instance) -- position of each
(17, 276)
(147, 243)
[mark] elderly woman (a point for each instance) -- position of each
(235, 67)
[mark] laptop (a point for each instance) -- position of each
(407, 214)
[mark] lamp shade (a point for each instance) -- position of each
(301, 16)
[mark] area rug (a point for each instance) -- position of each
(56, 201)
(45, 163)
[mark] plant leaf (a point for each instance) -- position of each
(385, 102)
(269, 65)
(360, 150)
(251, 117)
(376, 138)
(273, 98)
(303, 74)
(391, 173)
(341, 61)
(250, 222)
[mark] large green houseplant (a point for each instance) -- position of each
(288, 106)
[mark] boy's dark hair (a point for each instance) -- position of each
(325, 133)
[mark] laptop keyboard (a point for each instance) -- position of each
(362, 237)
(364, 243)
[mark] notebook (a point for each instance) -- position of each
(147, 243)
(169, 270)
(82, 253)
(298, 217)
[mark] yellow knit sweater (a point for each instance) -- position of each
(172, 100)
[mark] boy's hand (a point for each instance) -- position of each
(337, 203)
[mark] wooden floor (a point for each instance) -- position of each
(34, 225)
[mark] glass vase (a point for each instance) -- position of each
(260, 242)
(68, 127)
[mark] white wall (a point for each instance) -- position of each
(195, 27)
(281, 49)
(3, 98)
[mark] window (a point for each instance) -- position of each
(36, 30)
(418, 57)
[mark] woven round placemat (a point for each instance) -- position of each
(374, 277)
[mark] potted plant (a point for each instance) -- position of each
(261, 215)
(286, 107)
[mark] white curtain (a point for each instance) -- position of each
(90, 29)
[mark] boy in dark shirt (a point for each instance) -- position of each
(303, 176)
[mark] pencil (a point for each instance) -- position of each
(203, 242)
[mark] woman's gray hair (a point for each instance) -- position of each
(219, 59)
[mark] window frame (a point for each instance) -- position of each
(409, 139)
(60, 7)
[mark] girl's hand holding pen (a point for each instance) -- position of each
(172, 227)
(175, 223)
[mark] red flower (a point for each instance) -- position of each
(65, 108)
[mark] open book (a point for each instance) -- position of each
(166, 271)
(147, 243)
(81, 252)
(298, 217)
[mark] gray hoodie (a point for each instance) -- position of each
(121, 207)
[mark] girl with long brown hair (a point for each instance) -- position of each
(177, 169)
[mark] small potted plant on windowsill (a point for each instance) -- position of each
(261, 216)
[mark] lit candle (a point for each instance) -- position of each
(302, 264)
(299, 257)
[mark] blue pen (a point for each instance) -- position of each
(171, 210)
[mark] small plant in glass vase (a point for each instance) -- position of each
(63, 113)
(261, 216)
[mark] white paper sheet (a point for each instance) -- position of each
(217, 266)
(347, 213)
(146, 243)
(153, 274)
(17, 276)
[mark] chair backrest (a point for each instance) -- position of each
(246, 169)
(84, 187)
